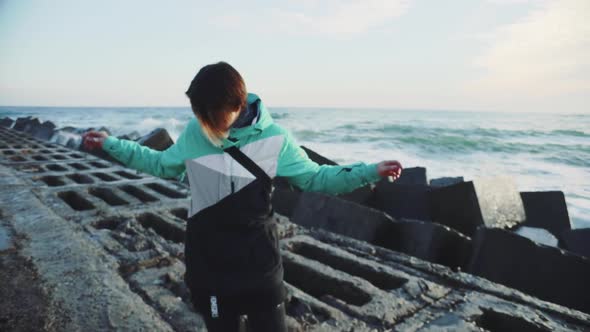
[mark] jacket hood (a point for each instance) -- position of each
(263, 122)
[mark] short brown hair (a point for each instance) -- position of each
(216, 90)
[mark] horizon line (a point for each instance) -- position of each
(325, 107)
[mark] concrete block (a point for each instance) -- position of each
(491, 202)
(339, 216)
(445, 181)
(402, 200)
(43, 131)
(546, 209)
(6, 122)
(20, 123)
(132, 136)
(413, 176)
(577, 241)
(31, 125)
(158, 139)
(548, 273)
(429, 241)
(363, 195)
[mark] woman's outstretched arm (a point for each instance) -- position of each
(165, 164)
(295, 165)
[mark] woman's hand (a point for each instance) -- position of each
(390, 168)
(94, 139)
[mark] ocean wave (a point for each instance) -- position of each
(308, 135)
(570, 160)
(462, 142)
(351, 139)
(576, 154)
(279, 115)
(476, 131)
(440, 143)
(349, 126)
(575, 133)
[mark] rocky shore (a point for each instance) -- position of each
(86, 244)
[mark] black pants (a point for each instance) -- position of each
(271, 320)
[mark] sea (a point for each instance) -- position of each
(538, 151)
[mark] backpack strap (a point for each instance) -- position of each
(248, 164)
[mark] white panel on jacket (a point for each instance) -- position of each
(210, 177)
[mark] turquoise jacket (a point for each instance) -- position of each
(268, 144)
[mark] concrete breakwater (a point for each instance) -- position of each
(107, 245)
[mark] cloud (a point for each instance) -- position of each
(544, 55)
(333, 18)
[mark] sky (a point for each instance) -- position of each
(482, 55)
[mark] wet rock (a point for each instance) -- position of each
(491, 202)
(426, 240)
(539, 235)
(43, 131)
(413, 176)
(132, 136)
(158, 139)
(178, 314)
(402, 200)
(340, 216)
(577, 241)
(546, 209)
(26, 305)
(548, 273)
(492, 320)
(20, 123)
(445, 181)
(31, 125)
(362, 195)
(6, 122)
(5, 239)
(429, 241)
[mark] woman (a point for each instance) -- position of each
(230, 152)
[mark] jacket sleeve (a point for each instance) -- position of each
(302, 172)
(165, 164)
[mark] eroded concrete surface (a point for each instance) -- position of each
(107, 246)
